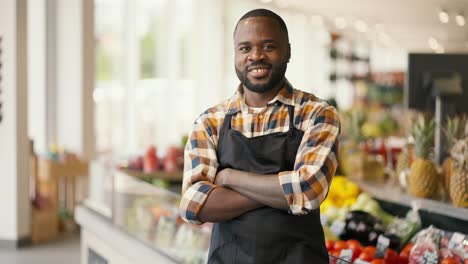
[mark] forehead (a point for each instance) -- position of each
(258, 28)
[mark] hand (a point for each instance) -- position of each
(221, 177)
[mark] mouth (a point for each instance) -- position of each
(259, 72)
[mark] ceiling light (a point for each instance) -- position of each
(444, 17)
(360, 26)
(282, 3)
(460, 19)
(317, 20)
(266, 1)
(340, 23)
(433, 43)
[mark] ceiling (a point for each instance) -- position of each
(408, 23)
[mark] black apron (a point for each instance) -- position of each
(265, 235)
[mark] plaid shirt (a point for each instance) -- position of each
(305, 187)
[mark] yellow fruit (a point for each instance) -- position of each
(423, 180)
(459, 178)
(459, 189)
(447, 168)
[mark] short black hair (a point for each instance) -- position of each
(265, 13)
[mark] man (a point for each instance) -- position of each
(259, 164)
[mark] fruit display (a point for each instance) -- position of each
(159, 171)
(459, 178)
(430, 245)
(423, 180)
(342, 193)
(433, 245)
(454, 131)
(366, 203)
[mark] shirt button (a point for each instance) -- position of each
(260, 116)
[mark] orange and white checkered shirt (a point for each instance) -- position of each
(305, 187)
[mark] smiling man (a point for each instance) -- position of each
(259, 164)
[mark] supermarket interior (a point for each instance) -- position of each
(99, 98)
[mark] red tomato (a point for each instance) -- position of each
(378, 261)
(449, 260)
(353, 243)
(330, 244)
(340, 245)
(356, 253)
(391, 256)
(408, 247)
(371, 250)
(365, 256)
(336, 253)
(403, 259)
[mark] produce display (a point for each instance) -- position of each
(430, 245)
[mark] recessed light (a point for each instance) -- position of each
(444, 17)
(340, 23)
(266, 1)
(433, 43)
(460, 19)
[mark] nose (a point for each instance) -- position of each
(256, 54)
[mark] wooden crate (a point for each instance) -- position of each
(44, 225)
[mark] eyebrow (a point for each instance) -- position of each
(248, 42)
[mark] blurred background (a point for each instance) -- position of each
(97, 98)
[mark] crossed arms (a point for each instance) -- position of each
(211, 197)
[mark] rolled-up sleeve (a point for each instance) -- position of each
(316, 161)
(200, 165)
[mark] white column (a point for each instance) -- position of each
(37, 70)
(14, 146)
(210, 47)
(74, 57)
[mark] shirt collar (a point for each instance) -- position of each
(237, 102)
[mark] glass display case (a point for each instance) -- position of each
(151, 214)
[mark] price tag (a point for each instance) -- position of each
(360, 261)
(337, 227)
(346, 256)
(430, 257)
(382, 245)
(456, 241)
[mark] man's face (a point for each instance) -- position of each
(261, 53)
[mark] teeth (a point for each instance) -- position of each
(258, 70)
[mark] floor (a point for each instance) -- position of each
(65, 250)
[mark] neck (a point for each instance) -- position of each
(254, 99)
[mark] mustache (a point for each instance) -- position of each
(256, 64)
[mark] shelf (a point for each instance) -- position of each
(391, 193)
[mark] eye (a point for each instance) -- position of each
(269, 47)
(244, 49)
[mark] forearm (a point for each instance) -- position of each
(265, 189)
(224, 204)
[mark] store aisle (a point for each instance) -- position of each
(65, 250)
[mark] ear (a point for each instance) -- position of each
(289, 52)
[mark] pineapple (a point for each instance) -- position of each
(454, 130)
(423, 180)
(459, 178)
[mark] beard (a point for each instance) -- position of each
(277, 75)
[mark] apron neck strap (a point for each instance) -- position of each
(291, 116)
